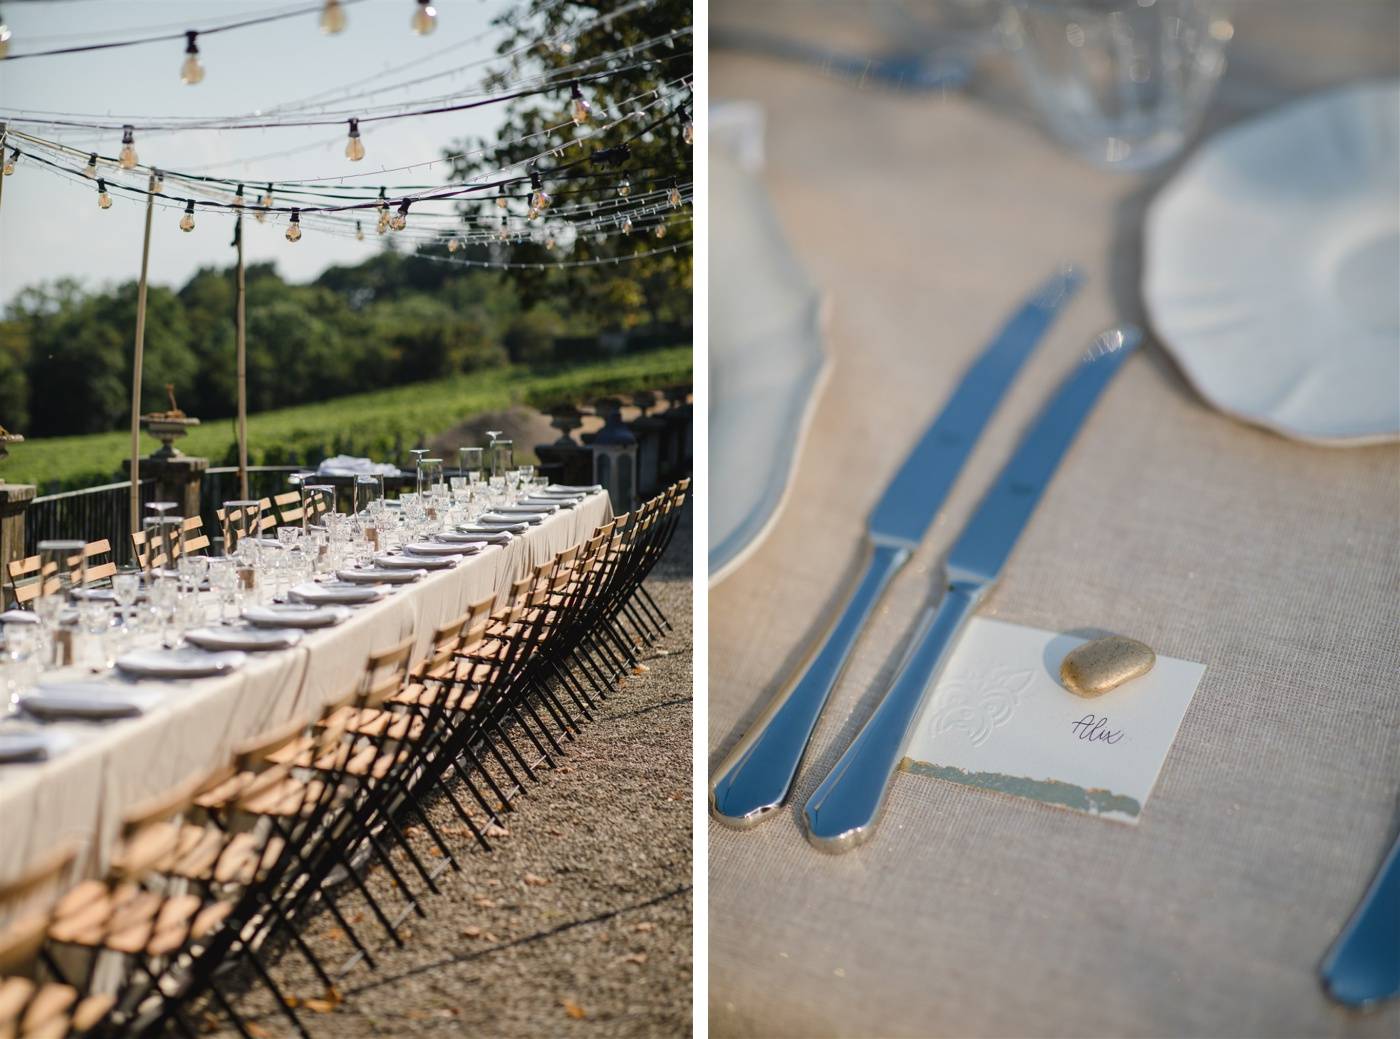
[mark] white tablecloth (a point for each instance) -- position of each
(82, 793)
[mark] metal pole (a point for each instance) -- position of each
(241, 322)
(136, 364)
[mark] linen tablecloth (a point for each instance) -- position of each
(82, 794)
(1276, 564)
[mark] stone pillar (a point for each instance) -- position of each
(14, 503)
(565, 461)
(615, 456)
(651, 443)
(177, 479)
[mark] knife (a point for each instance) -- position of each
(756, 777)
(844, 809)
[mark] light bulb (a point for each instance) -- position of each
(383, 223)
(501, 202)
(238, 197)
(294, 228)
(452, 245)
(332, 18)
(157, 182)
(549, 243)
(5, 35)
(127, 159)
(688, 132)
(359, 232)
(625, 188)
(504, 233)
(674, 196)
(354, 147)
(191, 72)
(104, 200)
(579, 109)
(425, 18)
(627, 226)
(539, 197)
(266, 203)
(660, 230)
(90, 170)
(187, 221)
(9, 167)
(400, 220)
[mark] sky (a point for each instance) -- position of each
(51, 227)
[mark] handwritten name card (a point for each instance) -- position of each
(1000, 720)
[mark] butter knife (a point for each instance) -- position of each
(757, 775)
(845, 808)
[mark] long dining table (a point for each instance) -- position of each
(96, 772)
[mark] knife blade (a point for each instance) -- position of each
(757, 775)
(844, 809)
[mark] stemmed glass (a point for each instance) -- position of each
(223, 582)
(95, 619)
(126, 587)
(502, 457)
(164, 597)
(22, 643)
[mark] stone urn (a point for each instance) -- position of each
(167, 429)
(6, 439)
(566, 418)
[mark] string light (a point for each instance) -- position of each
(104, 200)
(627, 226)
(157, 182)
(332, 18)
(501, 201)
(9, 167)
(354, 147)
(238, 197)
(187, 221)
(191, 72)
(127, 159)
(5, 35)
(383, 206)
(674, 195)
(503, 235)
(359, 232)
(539, 198)
(453, 245)
(579, 108)
(688, 130)
(266, 203)
(90, 170)
(294, 228)
(400, 220)
(624, 188)
(424, 19)
(660, 230)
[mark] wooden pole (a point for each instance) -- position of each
(136, 364)
(241, 322)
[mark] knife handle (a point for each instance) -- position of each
(844, 809)
(756, 777)
(1363, 967)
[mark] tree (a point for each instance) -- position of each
(574, 178)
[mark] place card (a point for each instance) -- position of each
(1000, 720)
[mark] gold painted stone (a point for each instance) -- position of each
(1103, 664)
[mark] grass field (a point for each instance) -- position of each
(375, 424)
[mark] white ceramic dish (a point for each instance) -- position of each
(185, 662)
(22, 747)
(249, 639)
(93, 701)
(1272, 268)
(386, 575)
(510, 521)
(767, 364)
(436, 548)
(491, 535)
(336, 592)
(295, 615)
(389, 562)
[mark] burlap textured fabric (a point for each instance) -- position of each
(1275, 563)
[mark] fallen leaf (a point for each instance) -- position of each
(554, 833)
(471, 932)
(490, 937)
(435, 851)
(484, 902)
(535, 881)
(256, 1030)
(574, 1010)
(335, 934)
(319, 1006)
(634, 957)
(645, 925)
(496, 830)
(564, 768)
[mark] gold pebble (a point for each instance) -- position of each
(1103, 664)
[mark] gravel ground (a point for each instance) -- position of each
(578, 923)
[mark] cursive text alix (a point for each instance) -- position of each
(1095, 729)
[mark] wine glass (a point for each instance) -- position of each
(164, 597)
(223, 582)
(126, 587)
(502, 457)
(95, 620)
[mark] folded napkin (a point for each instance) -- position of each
(516, 521)
(553, 501)
(348, 465)
(17, 748)
(334, 592)
(491, 535)
(87, 700)
(18, 617)
(563, 488)
(530, 509)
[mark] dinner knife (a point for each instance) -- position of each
(843, 811)
(1363, 966)
(757, 775)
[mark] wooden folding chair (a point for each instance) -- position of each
(24, 573)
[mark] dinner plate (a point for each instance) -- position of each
(437, 548)
(559, 502)
(84, 700)
(380, 575)
(295, 615)
(1271, 268)
(495, 521)
(416, 562)
(185, 662)
(767, 364)
(337, 592)
(247, 638)
(535, 509)
(468, 542)
(564, 488)
(491, 535)
(18, 617)
(21, 747)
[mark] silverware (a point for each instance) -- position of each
(756, 777)
(1363, 966)
(844, 809)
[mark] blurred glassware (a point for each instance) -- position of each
(240, 521)
(223, 582)
(95, 620)
(502, 457)
(1122, 83)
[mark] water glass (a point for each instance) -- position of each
(223, 582)
(164, 593)
(126, 589)
(502, 457)
(1123, 83)
(95, 620)
(241, 520)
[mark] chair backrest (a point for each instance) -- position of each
(192, 540)
(289, 508)
(385, 673)
(24, 573)
(266, 519)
